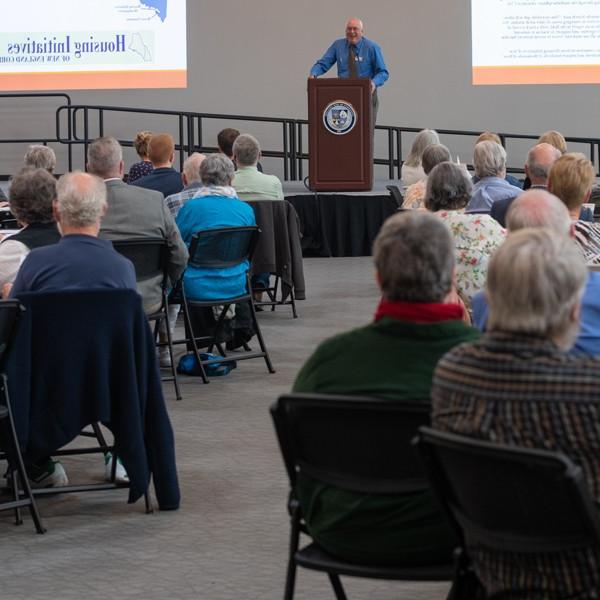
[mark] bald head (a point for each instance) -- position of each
(354, 30)
(191, 168)
(539, 161)
(538, 208)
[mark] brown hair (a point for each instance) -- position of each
(554, 138)
(488, 136)
(140, 143)
(161, 148)
(571, 178)
(225, 139)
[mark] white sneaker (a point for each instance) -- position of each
(52, 474)
(164, 358)
(120, 472)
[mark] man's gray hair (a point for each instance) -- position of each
(433, 155)
(414, 257)
(31, 194)
(489, 159)
(40, 157)
(540, 160)
(534, 282)
(81, 199)
(191, 166)
(246, 150)
(448, 188)
(217, 169)
(104, 156)
(538, 208)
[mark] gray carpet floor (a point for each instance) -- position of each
(229, 539)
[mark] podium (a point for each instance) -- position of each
(340, 134)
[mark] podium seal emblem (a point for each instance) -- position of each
(339, 117)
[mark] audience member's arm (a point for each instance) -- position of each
(12, 254)
(178, 252)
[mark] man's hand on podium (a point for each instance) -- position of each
(373, 86)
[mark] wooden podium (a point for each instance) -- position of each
(340, 136)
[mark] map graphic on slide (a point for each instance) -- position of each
(160, 6)
(137, 45)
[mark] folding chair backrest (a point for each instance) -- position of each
(223, 248)
(358, 444)
(510, 498)
(148, 255)
(10, 312)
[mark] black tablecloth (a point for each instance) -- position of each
(339, 224)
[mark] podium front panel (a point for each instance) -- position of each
(340, 134)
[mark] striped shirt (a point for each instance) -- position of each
(587, 237)
(524, 391)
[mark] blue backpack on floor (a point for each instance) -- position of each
(189, 366)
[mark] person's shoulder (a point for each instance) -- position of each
(369, 43)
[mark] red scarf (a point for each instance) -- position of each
(419, 312)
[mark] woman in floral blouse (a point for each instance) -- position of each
(476, 236)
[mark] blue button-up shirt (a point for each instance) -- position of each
(369, 61)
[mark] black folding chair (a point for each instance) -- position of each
(357, 444)
(10, 312)
(150, 259)
(396, 194)
(509, 498)
(222, 248)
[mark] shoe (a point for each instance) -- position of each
(120, 472)
(51, 474)
(164, 358)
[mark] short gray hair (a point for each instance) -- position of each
(433, 155)
(424, 138)
(217, 169)
(31, 194)
(534, 282)
(104, 156)
(40, 157)
(538, 208)
(540, 159)
(246, 150)
(489, 159)
(410, 269)
(448, 188)
(191, 166)
(81, 199)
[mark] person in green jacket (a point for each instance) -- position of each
(393, 357)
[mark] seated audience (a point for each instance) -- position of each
(554, 138)
(433, 155)
(537, 168)
(248, 181)
(476, 236)
(488, 136)
(538, 208)
(393, 357)
(518, 386)
(78, 261)
(191, 183)
(32, 192)
(144, 167)
(225, 139)
(412, 169)
(40, 157)
(489, 160)
(571, 179)
(163, 178)
(135, 213)
(214, 206)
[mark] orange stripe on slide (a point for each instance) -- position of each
(535, 75)
(93, 80)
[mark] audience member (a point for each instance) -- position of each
(433, 155)
(476, 236)
(32, 192)
(393, 357)
(191, 183)
(537, 168)
(164, 178)
(571, 179)
(135, 213)
(489, 160)
(554, 138)
(225, 139)
(216, 205)
(488, 136)
(412, 169)
(40, 157)
(144, 166)
(538, 208)
(248, 182)
(517, 386)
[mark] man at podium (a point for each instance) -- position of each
(356, 56)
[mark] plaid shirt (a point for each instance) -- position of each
(174, 202)
(525, 392)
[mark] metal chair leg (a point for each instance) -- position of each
(171, 355)
(188, 325)
(261, 341)
(336, 584)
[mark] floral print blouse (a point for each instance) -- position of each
(476, 237)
